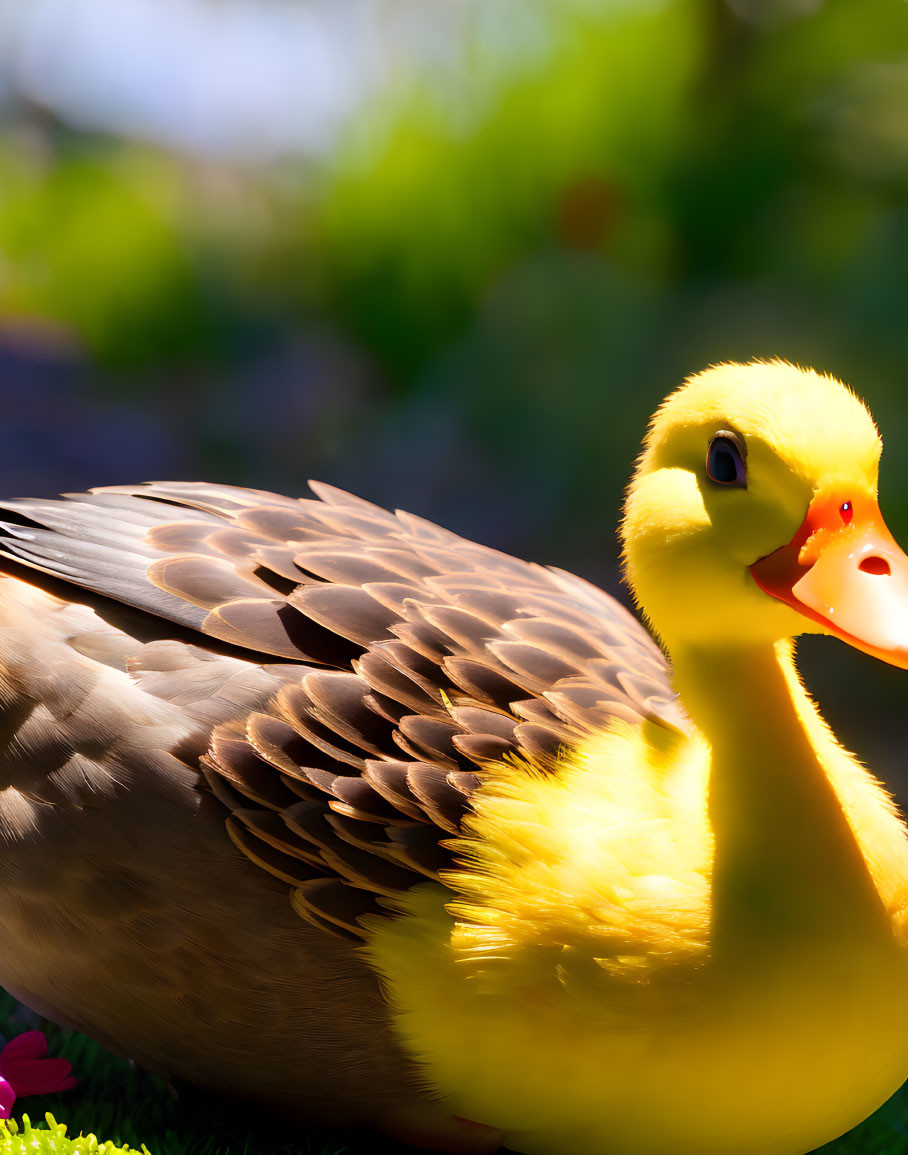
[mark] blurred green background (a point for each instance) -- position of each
(449, 255)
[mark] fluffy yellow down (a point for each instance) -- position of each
(611, 867)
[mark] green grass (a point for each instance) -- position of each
(127, 1108)
(53, 1140)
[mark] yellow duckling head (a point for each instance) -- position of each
(753, 515)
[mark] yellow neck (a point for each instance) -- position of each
(788, 865)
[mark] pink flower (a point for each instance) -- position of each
(25, 1070)
(7, 1098)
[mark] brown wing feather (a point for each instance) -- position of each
(409, 659)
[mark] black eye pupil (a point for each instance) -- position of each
(725, 460)
(722, 466)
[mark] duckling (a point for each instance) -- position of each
(327, 807)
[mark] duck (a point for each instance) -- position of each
(327, 808)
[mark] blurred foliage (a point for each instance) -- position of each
(472, 304)
(91, 241)
(573, 155)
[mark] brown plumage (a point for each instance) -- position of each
(224, 709)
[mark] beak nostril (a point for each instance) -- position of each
(875, 565)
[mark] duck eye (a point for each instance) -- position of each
(725, 460)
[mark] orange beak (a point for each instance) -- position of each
(844, 570)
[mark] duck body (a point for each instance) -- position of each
(326, 807)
